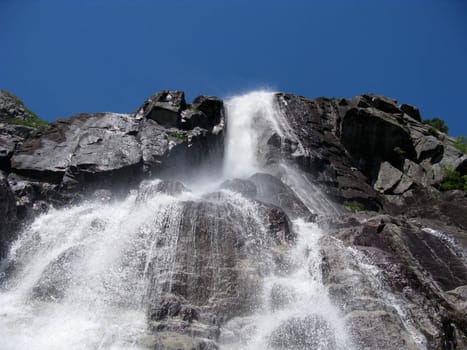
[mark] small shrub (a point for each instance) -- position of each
(178, 135)
(20, 103)
(452, 180)
(399, 151)
(461, 144)
(33, 122)
(437, 123)
(354, 208)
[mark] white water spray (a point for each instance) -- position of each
(295, 310)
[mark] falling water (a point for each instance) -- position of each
(295, 311)
(80, 277)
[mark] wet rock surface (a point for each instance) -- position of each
(418, 264)
(220, 257)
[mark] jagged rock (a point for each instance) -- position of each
(419, 265)
(83, 145)
(211, 106)
(454, 159)
(429, 147)
(8, 218)
(411, 111)
(35, 197)
(12, 107)
(369, 134)
(191, 119)
(11, 137)
(382, 103)
(163, 107)
(106, 149)
(392, 180)
(165, 149)
(324, 156)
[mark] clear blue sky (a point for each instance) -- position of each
(65, 57)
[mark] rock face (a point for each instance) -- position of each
(406, 247)
(12, 107)
(90, 151)
(11, 138)
(8, 218)
(364, 145)
(421, 265)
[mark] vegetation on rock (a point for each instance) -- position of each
(354, 208)
(452, 180)
(178, 135)
(22, 115)
(461, 143)
(437, 123)
(33, 122)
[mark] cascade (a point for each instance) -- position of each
(93, 276)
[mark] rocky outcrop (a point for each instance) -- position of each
(360, 148)
(421, 265)
(90, 151)
(11, 107)
(11, 138)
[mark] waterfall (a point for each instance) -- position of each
(294, 311)
(79, 275)
(107, 275)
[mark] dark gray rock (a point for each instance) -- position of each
(182, 151)
(12, 107)
(35, 197)
(411, 111)
(318, 127)
(382, 103)
(418, 264)
(81, 151)
(429, 147)
(369, 134)
(11, 137)
(211, 106)
(391, 180)
(192, 118)
(163, 107)
(8, 218)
